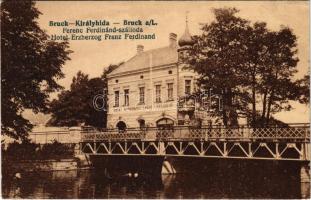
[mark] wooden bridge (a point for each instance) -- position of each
(273, 143)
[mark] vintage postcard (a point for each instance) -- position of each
(155, 99)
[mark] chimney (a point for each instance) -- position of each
(140, 49)
(173, 40)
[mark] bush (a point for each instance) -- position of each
(22, 151)
(56, 150)
(32, 151)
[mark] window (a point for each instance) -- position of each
(170, 91)
(116, 98)
(141, 123)
(158, 93)
(126, 97)
(141, 95)
(187, 87)
(170, 72)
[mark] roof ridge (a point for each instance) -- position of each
(145, 52)
(143, 58)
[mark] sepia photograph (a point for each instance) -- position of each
(155, 99)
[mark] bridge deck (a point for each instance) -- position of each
(284, 143)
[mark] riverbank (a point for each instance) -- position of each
(11, 166)
(29, 157)
(44, 165)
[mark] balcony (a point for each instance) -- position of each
(186, 104)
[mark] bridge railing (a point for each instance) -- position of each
(294, 132)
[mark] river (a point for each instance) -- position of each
(213, 184)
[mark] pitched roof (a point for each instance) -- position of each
(160, 56)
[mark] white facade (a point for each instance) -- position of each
(144, 91)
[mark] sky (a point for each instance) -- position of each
(91, 57)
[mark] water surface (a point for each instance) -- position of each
(89, 184)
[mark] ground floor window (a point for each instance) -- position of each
(141, 123)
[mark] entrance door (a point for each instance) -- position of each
(165, 123)
(165, 128)
(121, 126)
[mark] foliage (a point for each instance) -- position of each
(218, 56)
(244, 63)
(273, 122)
(30, 66)
(304, 89)
(22, 151)
(75, 106)
(275, 78)
(56, 150)
(31, 151)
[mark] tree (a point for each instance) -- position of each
(276, 75)
(256, 48)
(76, 106)
(304, 89)
(31, 66)
(218, 56)
(244, 63)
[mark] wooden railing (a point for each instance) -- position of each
(292, 132)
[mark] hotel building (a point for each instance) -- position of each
(144, 91)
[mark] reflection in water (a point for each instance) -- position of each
(88, 184)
